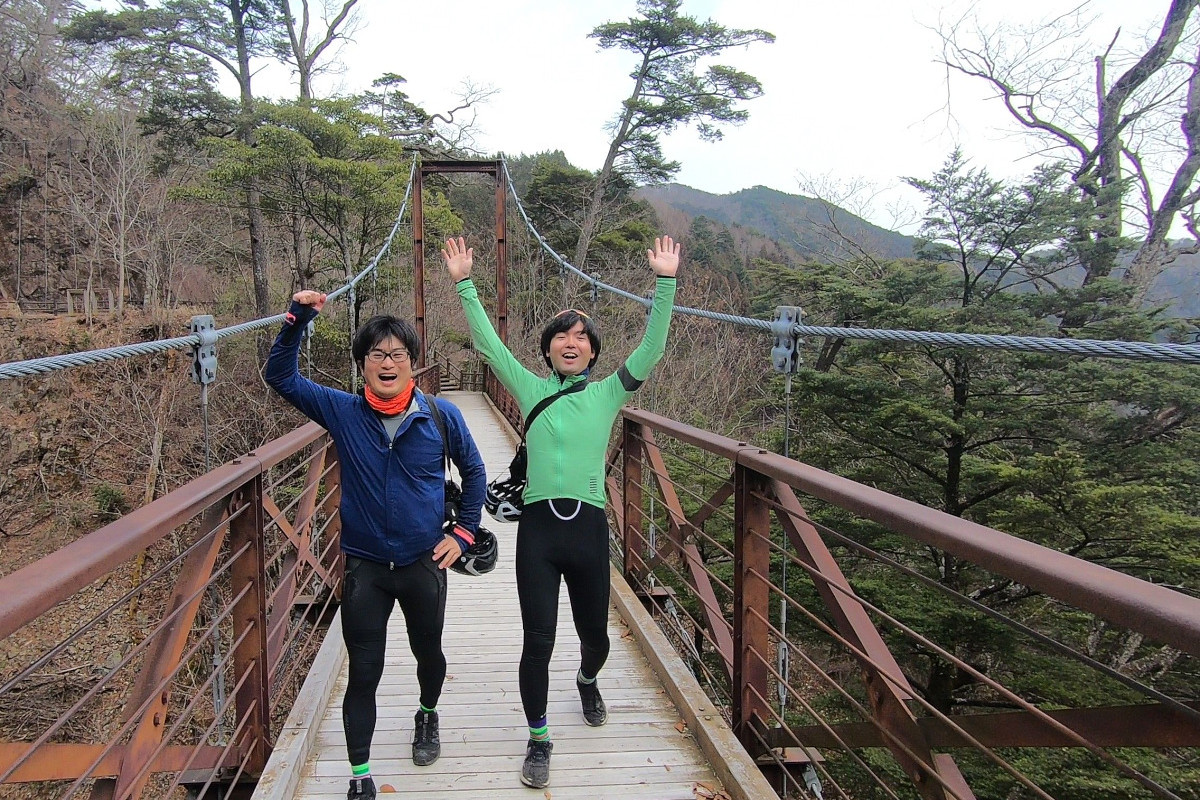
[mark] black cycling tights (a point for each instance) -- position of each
(370, 592)
(575, 550)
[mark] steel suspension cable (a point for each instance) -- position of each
(1142, 351)
(41, 366)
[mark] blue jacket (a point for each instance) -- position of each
(393, 496)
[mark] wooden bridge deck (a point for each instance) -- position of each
(644, 752)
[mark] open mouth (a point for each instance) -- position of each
(387, 378)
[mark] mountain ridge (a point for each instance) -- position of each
(803, 224)
(807, 229)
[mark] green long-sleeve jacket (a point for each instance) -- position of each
(568, 440)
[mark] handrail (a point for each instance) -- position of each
(220, 543)
(1163, 614)
(704, 581)
(38, 587)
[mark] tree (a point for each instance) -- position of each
(229, 34)
(305, 53)
(439, 134)
(996, 238)
(30, 53)
(1049, 448)
(669, 90)
(1117, 134)
(34, 69)
(711, 245)
(326, 162)
(557, 201)
(119, 201)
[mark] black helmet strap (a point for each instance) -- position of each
(520, 463)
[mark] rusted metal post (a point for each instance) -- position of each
(670, 498)
(886, 696)
(291, 577)
(418, 222)
(501, 259)
(162, 659)
(751, 597)
(248, 575)
(418, 234)
(631, 492)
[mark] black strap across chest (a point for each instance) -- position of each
(545, 402)
(441, 426)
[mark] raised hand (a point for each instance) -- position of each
(310, 297)
(664, 258)
(459, 258)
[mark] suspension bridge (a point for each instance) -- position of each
(229, 686)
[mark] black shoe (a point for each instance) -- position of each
(594, 711)
(361, 789)
(427, 744)
(535, 772)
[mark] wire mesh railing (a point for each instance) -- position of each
(859, 646)
(155, 656)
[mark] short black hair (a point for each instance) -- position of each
(380, 327)
(563, 322)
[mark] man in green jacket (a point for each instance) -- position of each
(563, 533)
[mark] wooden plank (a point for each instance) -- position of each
(643, 753)
(499, 776)
(391, 719)
(566, 758)
(652, 735)
(329, 789)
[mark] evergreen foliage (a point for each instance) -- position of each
(1092, 457)
(1096, 458)
(674, 87)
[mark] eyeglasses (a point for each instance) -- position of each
(378, 356)
(572, 311)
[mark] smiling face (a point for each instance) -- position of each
(571, 350)
(570, 343)
(387, 368)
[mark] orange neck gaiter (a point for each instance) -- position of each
(397, 405)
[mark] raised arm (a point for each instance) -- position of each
(664, 260)
(282, 371)
(459, 260)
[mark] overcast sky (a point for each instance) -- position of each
(851, 90)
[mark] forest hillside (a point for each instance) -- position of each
(136, 195)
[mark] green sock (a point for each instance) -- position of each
(579, 677)
(362, 770)
(541, 734)
(427, 710)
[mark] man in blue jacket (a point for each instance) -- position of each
(392, 509)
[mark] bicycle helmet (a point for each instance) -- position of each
(481, 557)
(503, 500)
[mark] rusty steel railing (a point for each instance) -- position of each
(166, 640)
(471, 377)
(505, 403)
(842, 691)
(167, 645)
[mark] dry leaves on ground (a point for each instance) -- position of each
(702, 791)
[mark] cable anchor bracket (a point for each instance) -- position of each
(785, 350)
(204, 355)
